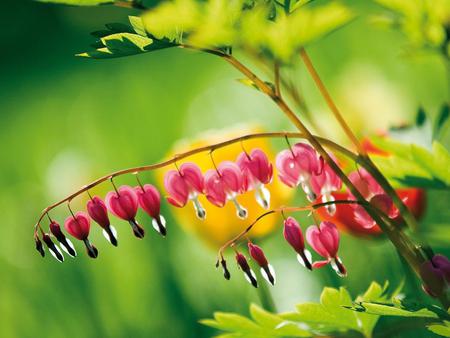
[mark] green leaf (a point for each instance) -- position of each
(79, 2)
(122, 40)
(414, 166)
(392, 310)
(440, 329)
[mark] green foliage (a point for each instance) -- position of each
(424, 22)
(222, 23)
(417, 158)
(331, 315)
(414, 166)
(262, 324)
(122, 40)
(79, 2)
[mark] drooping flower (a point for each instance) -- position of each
(223, 264)
(123, 203)
(54, 250)
(297, 165)
(324, 239)
(78, 226)
(436, 275)
(324, 184)
(267, 270)
(184, 185)
(96, 208)
(294, 236)
(257, 172)
(38, 245)
(374, 194)
(248, 272)
(224, 184)
(64, 242)
(150, 201)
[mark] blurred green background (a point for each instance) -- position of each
(65, 121)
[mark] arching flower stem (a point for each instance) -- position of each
(327, 143)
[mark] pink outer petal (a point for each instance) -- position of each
(174, 202)
(214, 188)
(307, 157)
(125, 204)
(256, 165)
(176, 187)
(193, 177)
(97, 210)
(288, 168)
(78, 226)
(324, 240)
(293, 234)
(149, 199)
(231, 176)
(327, 181)
(257, 254)
(329, 236)
(365, 183)
(363, 218)
(319, 264)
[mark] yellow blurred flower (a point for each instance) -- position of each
(222, 224)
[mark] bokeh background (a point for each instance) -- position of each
(65, 121)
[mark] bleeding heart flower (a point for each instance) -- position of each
(248, 272)
(184, 185)
(324, 184)
(257, 171)
(150, 200)
(78, 226)
(123, 203)
(224, 184)
(294, 236)
(436, 275)
(64, 242)
(374, 194)
(324, 239)
(266, 269)
(96, 208)
(297, 165)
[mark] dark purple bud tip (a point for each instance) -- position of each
(268, 273)
(305, 261)
(110, 234)
(39, 246)
(250, 276)
(137, 229)
(56, 231)
(54, 250)
(248, 272)
(159, 224)
(68, 247)
(91, 250)
(226, 273)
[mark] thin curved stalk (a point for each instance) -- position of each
(327, 143)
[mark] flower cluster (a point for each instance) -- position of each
(323, 239)
(298, 166)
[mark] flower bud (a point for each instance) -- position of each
(39, 246)
(65, 243)
(294, 236)
(54, 250)
(266, 269)
(226, 272)
(150, 201)
(248, 272)
(96, 208)
(435, 274)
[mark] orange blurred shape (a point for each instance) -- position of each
(222, 224)
(414, 198)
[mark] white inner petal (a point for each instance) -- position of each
(241, 212)
(156, 225)
(335, 267)
(54, 254)
(199, 210)
(70, 244)
(262, 196)
(266, 276)
(327, 197)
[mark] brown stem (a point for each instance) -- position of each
(326, 95)
(369, 165)
(327, 143)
